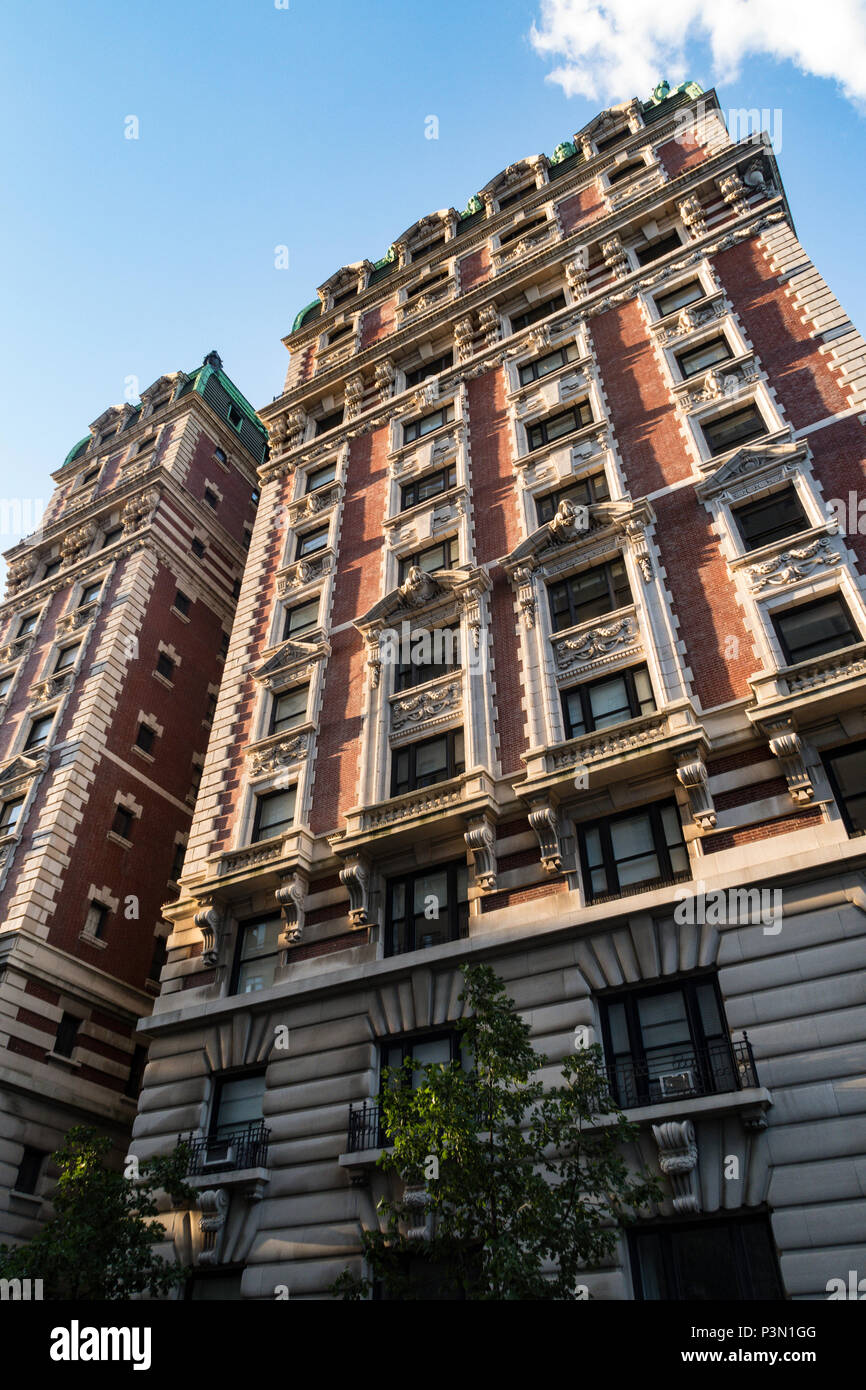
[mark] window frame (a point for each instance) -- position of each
(570, 352)
(301, 553)
(678, 289)
(295, 608)
(582, 690)
(238, 961)
(412, 430)
(709, 421)
(534, 314)
(610, 865)
(667, 1233)
(454, 766)
(407, 562)
(565, 585)
(448, 472)
(458, 921)
(828, 757)
(276, 697)
(542, 425)
(778, 615)
(261, 798)
(568, 492)
(749, 543)
(702, 346)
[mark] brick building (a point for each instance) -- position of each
(596, 431)
(112, 644)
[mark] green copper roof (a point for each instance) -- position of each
(302, 313)
(76, 450)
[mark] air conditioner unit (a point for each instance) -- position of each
(677, 1083)
(219, 1154)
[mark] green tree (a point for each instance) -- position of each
(99, 1242)
(519, 1175)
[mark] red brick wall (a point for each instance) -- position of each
(235, 507)
(676, 156)
(378, 322)
(474, 269)
(585, 206)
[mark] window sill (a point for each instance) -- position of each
(163, 680)
(27, 1199)
(184, 617)
(118, 840)
(90, 940)
(66, 1061)
(147, 757)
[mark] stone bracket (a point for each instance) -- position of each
(678, 1160)
(787, 746)
(211, 922)
(481, 842)
(692, 774)
(544, 822)
(290, 898)
(355, 877)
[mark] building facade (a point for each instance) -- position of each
(114, 633)
(549, 653)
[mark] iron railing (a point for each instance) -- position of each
(678, 1073)
(365, 1127)
(235, 1147)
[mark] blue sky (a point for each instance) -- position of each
(303, 127)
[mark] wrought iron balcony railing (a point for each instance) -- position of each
(236, 1147)
(365, 1127)
(679, 1073)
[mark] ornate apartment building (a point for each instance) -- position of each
(549, 653)
(113, 637)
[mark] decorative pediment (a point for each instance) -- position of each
(289, 660)
(18, 771)
(346, 278)
(163, 384)
(115, 416)
(573, 525)
(522, 170)
(425, 229)
(423, 593)
(604, 123)
(748, 463)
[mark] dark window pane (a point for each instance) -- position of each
(680, 297)
(815, 628)
(737, 427)
(646, 254)
(698, 359)
(771, 519)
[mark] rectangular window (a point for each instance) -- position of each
(289, 709)
(734, 1259)
(51, 567)
(543, 366)
(431, 760)
(10, 812)
(198, 548)
(145, 738)
(29, 1170)
(419, 252)
(636, 848)
(237, 1103)
(428, 282)
(601, 589)
(520, 229)
(343, 296)
(336, 334)
(426, 909)
(159, 957)
(620, 172)
(726, 431)
(211, 708)
(234, 417)
(438, 557)
(6, 684)
(111, 537)
(176, 869)
(846, 769)
(771, 518)
(699, 359)
(312, 542)
(66, 658)
(424, 1048)
(511, 198)
(588, 490)
(182, 603)
(329, 422)
(646, 254)
(258, 955)
(89, 594)
(301, 618)
(598, 704)
(322, 477)
(39, 732)
(431, 654)
(123, 822)
(27, 624)
(275, 814)
(96, 921)
(416, 429)
(815, 628)
(538, 312)
(602, 146)
(211, 498)
(422, 489)
(676, 299)
(136, 1072)
(67, 1035)
(432, 367)
(165, 666)
(557, 426)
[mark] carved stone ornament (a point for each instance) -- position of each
(355, 877)
(640, 549)
(411, 710)
(678, 1160)
(211, 923)
(692, 775)
(463, 334)
(787, 746)
(577, 275)
(296, 424)
(614, 255)
(19, 573)
(418, 588)
(214, 1205)
(693, 216)
(794, 564)
(138, 510)
(570, 521)
(481, 842)
(595, 641)
(383, 378)
(290, 898)
(526, 595)
(354, 395)
(734, 192)
(544, 823)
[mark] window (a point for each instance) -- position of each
(176, 871)
(542, 366)
(646, 254)
(236, 588)
(815, 628)
(321, 477)
(107, 434)
(466, 224)
(165, 666)
(211, 498)
(343, 296)
(625, 171)
(678, 298)
(198, 548)
(96, 921)
(588, 490)
(111, 536)
(145, 444)
(420, 251)
(705, 355)
(426, 909)
(67, 1035)
(90, 593)
(637, 847)
(540, 311)
(312, 542)
(771, 518)
(258, 955)
(29, 1170)
(329, 422)
(423, 1048)
(219, 455)
(337, 333)
(237, 1103)
(207, 1286)
(416, 429)
(93, 472)
(422, 489)
(145, 738)
(557, 426)
(224, 645)
(432, 367)
(511, 198)
(428, 282)
(520, 229)
(738, 426)
(612, 700)
(39, 732)
(428, 761)
(51, 567)
(182, 603)
(275, 813)
(601, 589)
(123, 822)
(234, 417)
(66, 658)
(289, 709)
(136, 1072)
(27, 624)
(158, 405)
(10, 812)
(601, 146)
(431, 654)
(846, 769)
(246, 538)
(6, 684)
(438, 557)
(195, 781)
(301, 618)
(211, 708)
(704, 1261)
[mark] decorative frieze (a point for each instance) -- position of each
(616, 742)
(434, 702)
(76, 542)
(792, 565)
(49, 688)
(314, 504)
(435, 798)
(282, 751)
(838, 666)
(305, 571)
(587, 643)
(691, 318)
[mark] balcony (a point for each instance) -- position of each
(240, 1148)
(365, 1128)
(684, 1073)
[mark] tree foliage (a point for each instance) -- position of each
(530, 1180)
(99, 1243)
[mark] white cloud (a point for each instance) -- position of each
(611, 51)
